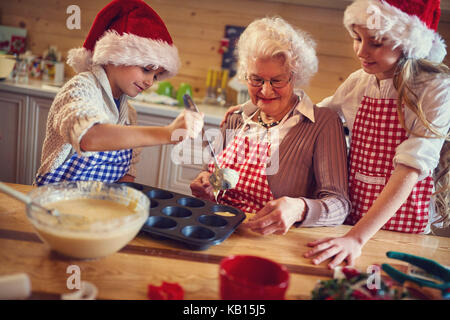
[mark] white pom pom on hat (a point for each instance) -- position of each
(127, 32)
(411, 25)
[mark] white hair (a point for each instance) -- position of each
(274, 37)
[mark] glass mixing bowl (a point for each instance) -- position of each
(97, 237)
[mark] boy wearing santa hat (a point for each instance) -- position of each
(91, 132)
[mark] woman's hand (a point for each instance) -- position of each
(188, 124)
(201, 188)
(277, 216)
(229, 113)
(344, 248)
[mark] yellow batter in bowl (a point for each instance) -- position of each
(114, 213)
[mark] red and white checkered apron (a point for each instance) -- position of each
(376, 134)
(248, 156)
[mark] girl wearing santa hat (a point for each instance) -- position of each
(397, 108)
(91, 132)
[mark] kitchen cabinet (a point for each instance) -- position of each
(22, 133)
(38, 112)
(12, 135)
(25, 108)
(149, 164)
(181, 163)
(167, 166)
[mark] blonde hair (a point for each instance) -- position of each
(442, 183)
(410, 73)
(405, 79)
(272, 38)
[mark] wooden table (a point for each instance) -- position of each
(126, 274)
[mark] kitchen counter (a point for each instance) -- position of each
(213, 114)
(126, 274)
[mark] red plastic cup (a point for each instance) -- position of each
(244, 277)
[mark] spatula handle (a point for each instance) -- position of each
(14, 193)
(190, 105)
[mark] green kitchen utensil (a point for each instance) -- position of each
(431, 267)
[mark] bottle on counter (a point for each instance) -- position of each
(221, 91)
(210, 95)
(21, 75)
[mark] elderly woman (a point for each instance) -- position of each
(290, 155)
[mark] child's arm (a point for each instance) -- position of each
(349, 246)
(107, 137)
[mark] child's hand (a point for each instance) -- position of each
(194, 123)
(201, 188)
(187, 124)
(344, 248)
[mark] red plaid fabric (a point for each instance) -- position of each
(249, 158)
(376, 134)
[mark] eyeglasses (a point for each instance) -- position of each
(280, 82)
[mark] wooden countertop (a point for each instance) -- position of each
(126, 274)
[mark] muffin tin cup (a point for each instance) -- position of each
(195, 223)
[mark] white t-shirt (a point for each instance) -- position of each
(417, 152)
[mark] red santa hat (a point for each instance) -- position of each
(127, 32)
(410, 24)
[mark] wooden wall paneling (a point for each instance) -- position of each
(444, 31)
(47, 25)
(337, 64)
(317, 94)
(197, 27)
(326, 79)
(337, 4)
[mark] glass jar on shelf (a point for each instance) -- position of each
(22, 68)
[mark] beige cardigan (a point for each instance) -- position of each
(83, 101)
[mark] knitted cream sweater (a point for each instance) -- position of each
(83, 101)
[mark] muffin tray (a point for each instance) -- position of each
(188, 220)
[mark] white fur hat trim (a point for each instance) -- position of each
(406, 31)
(129, 50)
